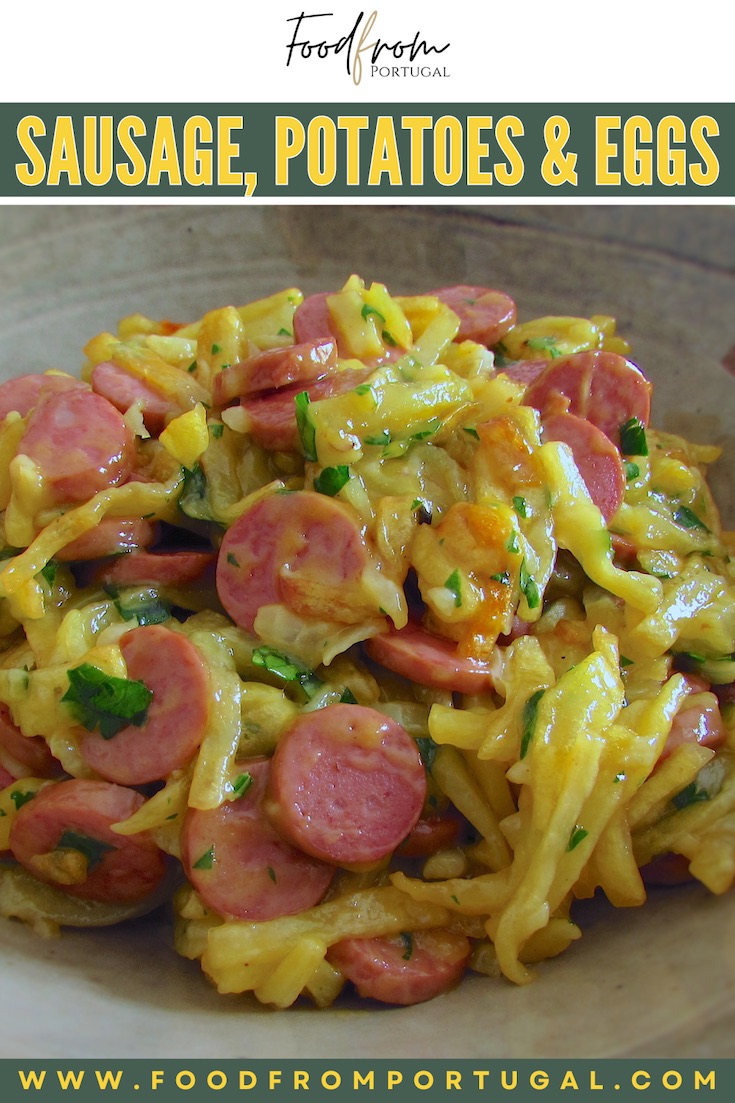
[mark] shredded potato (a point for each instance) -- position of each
(404, 535)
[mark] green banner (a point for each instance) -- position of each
(520, 1081)
(468, 150)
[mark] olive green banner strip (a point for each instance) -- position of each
(402, 1081)
(230, 152)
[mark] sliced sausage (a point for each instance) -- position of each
(347, 784)
(171, 667)
(624, 550)
(602, 387)
(31, 753)
(524, 371)
(484, 315)
(597, 458)
(273, 416)
(80, 442)
(431, 833)
(5, 780)
(22, 393)
(112, 536)
(74, 818)
(429, 660)
(276, 368)
(312, 320)
(123, 390)
(407, 969)
(176, 568)
(239, 864)
(297, 549)
(698, 723)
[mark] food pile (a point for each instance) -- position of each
(372, 630)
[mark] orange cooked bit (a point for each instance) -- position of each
(506, 453)
(480, 635)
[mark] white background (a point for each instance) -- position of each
(514, 51)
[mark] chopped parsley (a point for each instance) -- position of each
(305, 426)
(331, 480)
(19, 798)
(427, 750)
(389, 338)
(216, 349)
(206, 861)
(502, 577)
(544, 344)
(233, 560)
(687, 519)
(242, 783)
(216, 428)
(633, 438)
(520, 505)
(368, 310)
(93, 849)
(144, 605)
(348, 697)
(102, 701)
(272, 874)
(407, 940)
(528, 720)
(576, 837)
(471, 431)
(283, 332)
(624, 661)
(193, 496)
(48, 573)
(512, 544)
(364, 388)
(383, 438)
(632, 470)
(692, 794)
(529, 588)
(454, 585)
(192, 367)
(287, 669)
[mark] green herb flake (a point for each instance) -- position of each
(407, 940)
(287, 669)
(146, 606)
(20, 798)
(427, 750)
(216, 349)
(206, 861)
(99, 700)
(368, 310)
(48, 573)
(520, 505)
(193, 493)
(272, 874)
(93, 849)
(431, 428)
(389, 339)
(576, 837)
(529, 588)
(364, 388)
(192, 367)
(454, 585)
(331, 480)
(633, 438)
(348, 697)
(502, 577)
(632, 470)
(471, 431)
(512, 544)
(618, 778)
(383, 438)
(305, 426)
(528, 720)
(283, 332)
(242, 783)
(544, 344)
(687, 519)
(692, 794)
(216, 428)
(233, 560)
(455, 898)
(624, 661)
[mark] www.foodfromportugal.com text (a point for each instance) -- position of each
(273, 1079)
